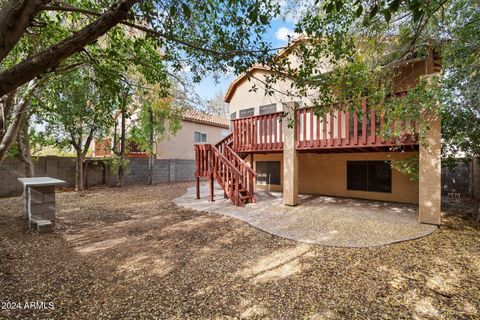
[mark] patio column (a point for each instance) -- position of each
(429, 197)
(290, 157)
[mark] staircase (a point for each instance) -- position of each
(220, 163)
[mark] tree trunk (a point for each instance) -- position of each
(50, 57)
(79, 186)
(24, 154)
(5, 107)
(16, 119)
(121, 167)
(151, 156)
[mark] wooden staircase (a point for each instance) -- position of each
(220, 163)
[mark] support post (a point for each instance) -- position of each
(210, 182)
(429, 197)
(290, 157)
(197, 187)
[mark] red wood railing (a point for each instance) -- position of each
(248, 175)
(136, 154)
(337, 129)
(228, 140)
(342, 129)
(228, 169)
(258, 133)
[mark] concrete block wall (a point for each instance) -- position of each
(63, 168)
(457, 181)
(476, 178)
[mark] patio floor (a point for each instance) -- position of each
(329, 221)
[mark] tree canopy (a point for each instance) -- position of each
(362, 41)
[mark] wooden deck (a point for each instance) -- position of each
(337, 131)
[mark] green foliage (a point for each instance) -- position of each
(354, 48)
(75, 105)
(158, 116)
(408, 166)
(116, 162)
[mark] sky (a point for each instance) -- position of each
(277, 34)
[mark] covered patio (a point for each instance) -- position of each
(329, 221)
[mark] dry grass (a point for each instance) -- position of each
(130, 253)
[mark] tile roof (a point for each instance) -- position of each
(203, 117)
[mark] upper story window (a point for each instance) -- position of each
(246, 112)
(269, 108)
(200, 137)
(233, 115)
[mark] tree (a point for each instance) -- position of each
(14, 105)
(159, 113)
(217, 106)
(74, 108)
(213, 33)
(359, 43)
(36, 37)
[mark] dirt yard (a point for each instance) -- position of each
(132, 254)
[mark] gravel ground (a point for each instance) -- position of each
(328, 221)
(132, 254)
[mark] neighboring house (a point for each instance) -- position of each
(338, 155)
(196, 127)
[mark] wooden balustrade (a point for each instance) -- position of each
(342, 129)
(228, 169)
(248, 175)
(258, 133)
(337, 129)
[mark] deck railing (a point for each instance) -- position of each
(343, 129)
(258, 133)
(337, 129)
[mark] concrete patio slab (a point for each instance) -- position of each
(328, 221)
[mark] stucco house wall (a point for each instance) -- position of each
(326, 174)
(180, 145)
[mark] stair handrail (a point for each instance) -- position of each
(228, 184)
(238, 158)
(250, 174)
(225, 141)
(227, 162)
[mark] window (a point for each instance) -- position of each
(269, 108)
(369, 176)
(246, 113)
(268, 172)
(233, 116)
(200, 137)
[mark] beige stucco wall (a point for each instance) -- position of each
(407, 77)
(244, 98)
(180, 145)
(326, 174)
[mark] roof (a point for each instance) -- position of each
(233, 86)
(205, 118)
(283, 52)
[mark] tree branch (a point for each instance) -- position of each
(69, 8)
(31, 67)
(15, 17)
(87, 143)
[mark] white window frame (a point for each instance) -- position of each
(202, 135)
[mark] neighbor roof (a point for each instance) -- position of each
(206, 118)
